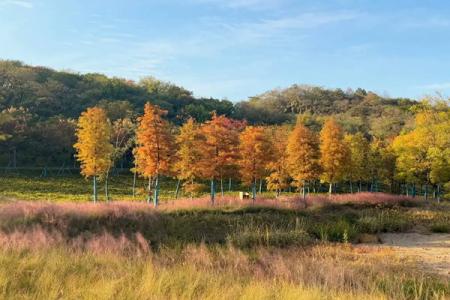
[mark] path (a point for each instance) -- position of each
(431, 251)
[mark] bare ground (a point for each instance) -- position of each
(430, 251)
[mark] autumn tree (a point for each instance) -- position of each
(423, 155)
(189, 155)
(154, 147)
(278, 178)
(93, 147)
(356, 170)
(302, 156)
(122, 131)
(254, 148)
(219, 149)
(334, 153)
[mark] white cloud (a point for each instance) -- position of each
(237, 4)
(20, 3)
(430, 22)
(436, 86)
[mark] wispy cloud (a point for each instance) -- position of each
(263, 30)
(427, 23)
(238, 4)
(436, 86)
(19, 3)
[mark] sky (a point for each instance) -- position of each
(239, 48)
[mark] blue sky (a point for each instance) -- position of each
(239, 48)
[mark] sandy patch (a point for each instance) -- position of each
(431, 251)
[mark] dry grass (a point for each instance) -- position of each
(106, 267)
(190, 250)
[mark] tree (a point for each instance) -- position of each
(358, 147)
(423, 155)
(189, 153)
(93, 147)
(122, 140)
(380, 164)
(334, 153)
(302, 156)
(219, 149)
(154, 147)
(278, 178)
(254, 148)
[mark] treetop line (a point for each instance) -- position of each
(226, 148)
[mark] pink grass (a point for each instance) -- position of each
(25, 209)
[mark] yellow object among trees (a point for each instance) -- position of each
(94, 148)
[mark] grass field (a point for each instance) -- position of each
(68, 248)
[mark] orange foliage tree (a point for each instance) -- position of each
(334, 153)
(189, 154)
(254, 147)
(219, 148)
(278, 178)
(94, 149)
(302, 156)
(154, 147)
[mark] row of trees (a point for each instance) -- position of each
(223, 148)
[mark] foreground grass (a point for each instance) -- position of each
(131, 251)
(199, 272)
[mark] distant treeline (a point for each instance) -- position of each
(39, 107)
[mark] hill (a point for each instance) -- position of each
(38, 106)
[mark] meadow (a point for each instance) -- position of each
(56, 244)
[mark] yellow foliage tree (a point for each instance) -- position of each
(188, 154)
(278, 178)
(423, 154)
(254, 150)
(154, 147)
(302, 156)
(358, 147)
(93, 147)
(334, 153)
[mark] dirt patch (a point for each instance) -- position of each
(431, 251)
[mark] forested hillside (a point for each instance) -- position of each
(39, 106)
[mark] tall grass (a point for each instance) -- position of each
(236, 250)
(200, 272)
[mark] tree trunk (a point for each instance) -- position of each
(260, 186)
(360, 187)
(95, 189)
(426, 191)
(330, 189)
(229, 184)
(156, 195)
(149, 190)
(414, 190)
(304, 194)
(254, 191)
(134, 185)
(351, 187)
(438, 193)
(213, 191)
(177, 190)
(221, 186)
(106, 188)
